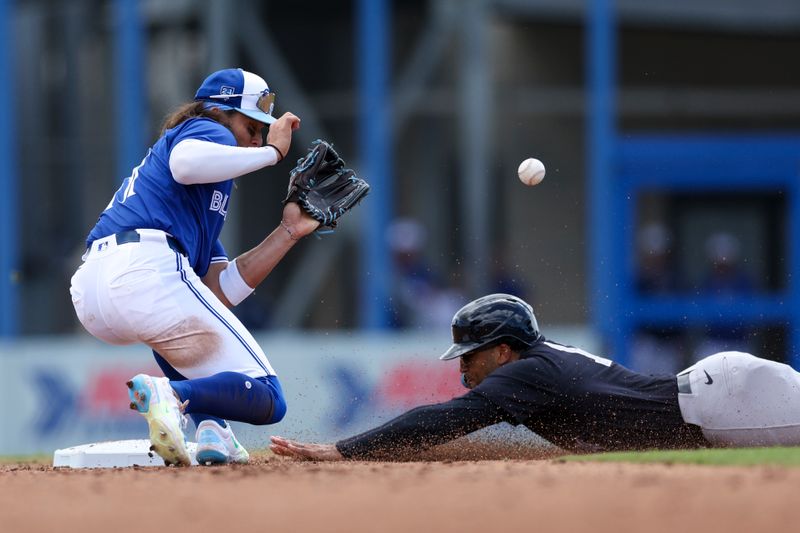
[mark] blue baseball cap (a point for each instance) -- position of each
(238, 89)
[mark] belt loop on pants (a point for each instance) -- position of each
(684, 384)
(132, 235)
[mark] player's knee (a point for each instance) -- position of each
(278, 409)
(275, 405)
(274, 413)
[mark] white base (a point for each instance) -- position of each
(113, 454)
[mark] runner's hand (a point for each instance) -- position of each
(304, 450)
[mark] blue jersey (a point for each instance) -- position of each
(151, 198)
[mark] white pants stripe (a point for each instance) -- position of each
(211, 309)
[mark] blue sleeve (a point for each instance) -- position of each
(218, 252)
(217, 255)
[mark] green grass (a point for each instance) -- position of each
(729, 456)
(26, 459)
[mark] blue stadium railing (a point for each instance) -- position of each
(621, 167)
(701, 164)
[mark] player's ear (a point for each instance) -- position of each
(220, 116)
(504, 354)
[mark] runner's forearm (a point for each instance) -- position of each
(422, 428)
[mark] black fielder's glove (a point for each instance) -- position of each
(322, 186)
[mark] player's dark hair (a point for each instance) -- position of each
(185, 112)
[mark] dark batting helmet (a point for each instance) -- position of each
(489, 320)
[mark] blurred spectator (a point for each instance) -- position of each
(657, 349)
(726, 275)
(421, 298)
(726, 279)
(656, 273)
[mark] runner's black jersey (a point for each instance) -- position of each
(574, 399)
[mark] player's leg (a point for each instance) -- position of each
(742, 400)
(227, 374)
(216, 442)
(175, 376)
(260, 401)
(230, 395)
(215, 364)
(265, 405)
(108, 267)
(144, 292)
(156, 298)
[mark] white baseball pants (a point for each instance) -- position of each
(740, 400)
(146, 292)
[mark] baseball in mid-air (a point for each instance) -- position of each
(531, 171)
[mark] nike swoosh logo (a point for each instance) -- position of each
(710, 381)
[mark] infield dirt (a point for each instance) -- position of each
(277, 495)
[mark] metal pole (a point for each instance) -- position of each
(220, 39)
(129, 85)
(600, 137)
(9, 193)
(474, 145)
(308, 277)
(221, 55)
(376, 158)
(74, 27)
(793, 283)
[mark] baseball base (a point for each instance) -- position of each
(112, 454)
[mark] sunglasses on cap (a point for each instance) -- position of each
(265, 99)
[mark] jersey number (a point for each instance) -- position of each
(127, 185)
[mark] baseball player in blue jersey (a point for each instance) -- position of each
(155, 271)
(579, 401)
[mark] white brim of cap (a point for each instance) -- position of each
(256, 114)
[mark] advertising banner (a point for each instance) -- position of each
(66, 391)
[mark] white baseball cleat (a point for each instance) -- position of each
(217, 445)
(156, 401)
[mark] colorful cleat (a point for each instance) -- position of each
(217, 445)
(156, 401)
